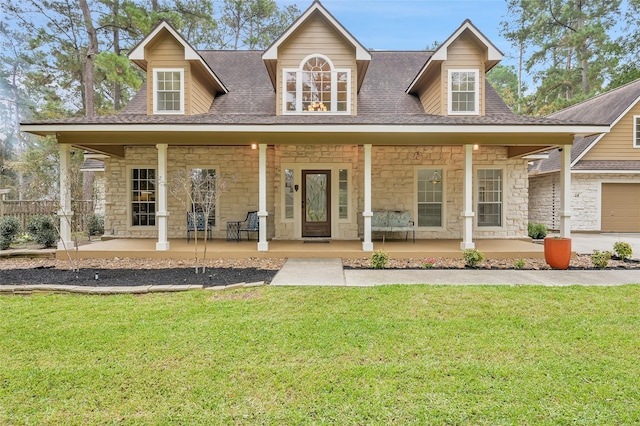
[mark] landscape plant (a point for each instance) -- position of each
(472, 257)
(537, 231)
(428, 262)
(519, 264)
(95, 224)
(600, 259)
(622, 250)
(379, 259)
(9, 229)
(42, 230)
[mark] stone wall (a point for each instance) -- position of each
(544, 200)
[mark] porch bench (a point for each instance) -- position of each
(200, 224)
(393, 221)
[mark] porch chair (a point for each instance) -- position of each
(250, 224)
(200, 224)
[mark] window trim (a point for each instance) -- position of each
(636, 129)
(443, 209)
(450, 110)
(216, 213)
(155, 91)
(334, 88)
(130, 200)
(476, 194)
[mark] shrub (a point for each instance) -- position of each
(623, 250)
(43, 230)
(9, 230)
(472, 257)
(537, 231)
(519, 264)
(95, 224)
(379, 259)
(428, 262)
(600, 259)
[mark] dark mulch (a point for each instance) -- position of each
(132, 277)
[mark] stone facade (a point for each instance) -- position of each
(586, 193)
(394, 186)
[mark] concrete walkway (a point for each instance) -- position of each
(329, 272)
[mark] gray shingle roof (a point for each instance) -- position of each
(382, 98)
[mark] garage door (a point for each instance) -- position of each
(620, 207)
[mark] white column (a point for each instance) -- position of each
(367, 245)
(565, 191)
(467, 202)
(263, 244)
(161, 194)
(65, 213)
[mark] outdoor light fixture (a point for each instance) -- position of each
(254, 146)
(476, 147)
(436, 178)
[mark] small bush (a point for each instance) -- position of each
(379, 259)
(428, 262)
(519, 264)
(623, 250)
(472, 257)
(600, 259)
(9, 230)
(95, 224)
(537, 231)
(43, 230)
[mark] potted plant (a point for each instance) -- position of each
(557, 252)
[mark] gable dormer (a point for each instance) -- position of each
(452, 82)
(316, 66)
(179, 82)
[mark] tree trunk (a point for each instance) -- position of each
(117, 87)
(92, 50)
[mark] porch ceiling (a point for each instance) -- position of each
(113, 143)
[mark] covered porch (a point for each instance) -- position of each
(180, 249)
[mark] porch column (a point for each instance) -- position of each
(161, 193)
(467, 201)
(65, 213)
(367, 245)
(565, 191)
(263, 245)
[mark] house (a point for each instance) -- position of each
(605, 168)
(315, 133)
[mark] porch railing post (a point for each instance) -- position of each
(263, 244)
(161, 213)
(367, 245)
(467, 207)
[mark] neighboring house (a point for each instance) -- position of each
(315, 133)
(605, 168)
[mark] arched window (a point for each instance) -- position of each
(316, 87)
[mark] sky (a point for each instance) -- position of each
(415, 24)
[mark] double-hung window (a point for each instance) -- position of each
(430, 197)
(464, 92)
(143, 197)
(489, 197)
(636, 131)
(168, 91)
(316, 87)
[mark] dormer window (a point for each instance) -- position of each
(463, 92)
(168, 91)
(316, 87)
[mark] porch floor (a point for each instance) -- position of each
(180, 249)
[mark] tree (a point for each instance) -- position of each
(504, 79)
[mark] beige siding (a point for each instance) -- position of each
(166, 52)
(316, 36)
(202, 94)
(463, 54)
(431, 97)
(618, 144)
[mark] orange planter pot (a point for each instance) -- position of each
(557, 252)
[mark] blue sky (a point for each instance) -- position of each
(414, 24)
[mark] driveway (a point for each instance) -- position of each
(586, 243)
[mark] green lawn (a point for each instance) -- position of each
(393, 354)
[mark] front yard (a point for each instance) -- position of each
(383, 355)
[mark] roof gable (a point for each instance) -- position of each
(494, 55)
(137, 54)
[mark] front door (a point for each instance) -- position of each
(316, 203)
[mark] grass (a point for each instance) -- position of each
(392, 354)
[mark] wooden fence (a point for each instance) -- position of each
(24, 210)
